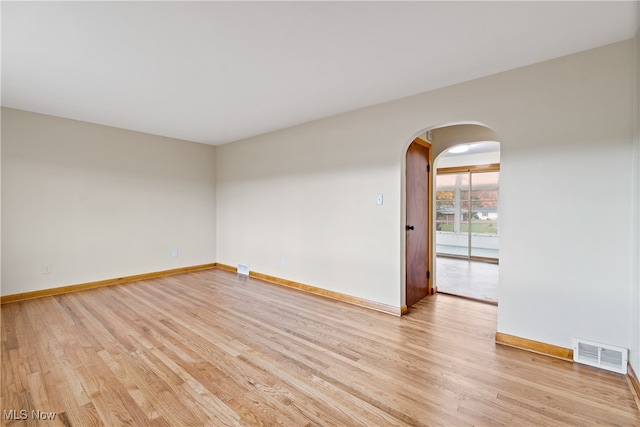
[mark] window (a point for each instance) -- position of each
(467, 212)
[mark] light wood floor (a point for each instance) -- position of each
(208, 348)
(472, 279)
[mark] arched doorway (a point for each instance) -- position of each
(467, 238)
(420, 274)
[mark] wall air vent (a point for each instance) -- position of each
(243, 269)
(600, 355)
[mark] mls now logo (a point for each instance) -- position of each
(23, 414)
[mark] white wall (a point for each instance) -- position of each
(97, 202)
(468, 160)
(565, 127)
(306, 199)
(634, 356)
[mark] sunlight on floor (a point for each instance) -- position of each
(474, 279)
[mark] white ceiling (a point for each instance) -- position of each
(215, 72)
(479, 147)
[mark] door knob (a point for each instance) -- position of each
(410, 227)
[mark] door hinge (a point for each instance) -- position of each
(428, 167)
(428, 274)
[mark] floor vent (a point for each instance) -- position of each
(243, 269)
(600, 355)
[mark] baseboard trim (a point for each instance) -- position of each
(226, 267)
(322, 292)
(5, 299)
(634, 384)
(535, 346)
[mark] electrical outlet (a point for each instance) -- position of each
(47, 269)
(283, 261)
(174, 253)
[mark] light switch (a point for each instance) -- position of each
(379, 199)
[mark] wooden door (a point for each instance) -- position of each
(418, 245)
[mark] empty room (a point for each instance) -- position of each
(238, 213)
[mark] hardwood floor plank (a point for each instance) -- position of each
(86, 415)
(213, 348)
(174, 324)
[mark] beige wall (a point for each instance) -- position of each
(450, 136)
(96, 202)
(468, 160)
(634, 357)
(300, 203)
